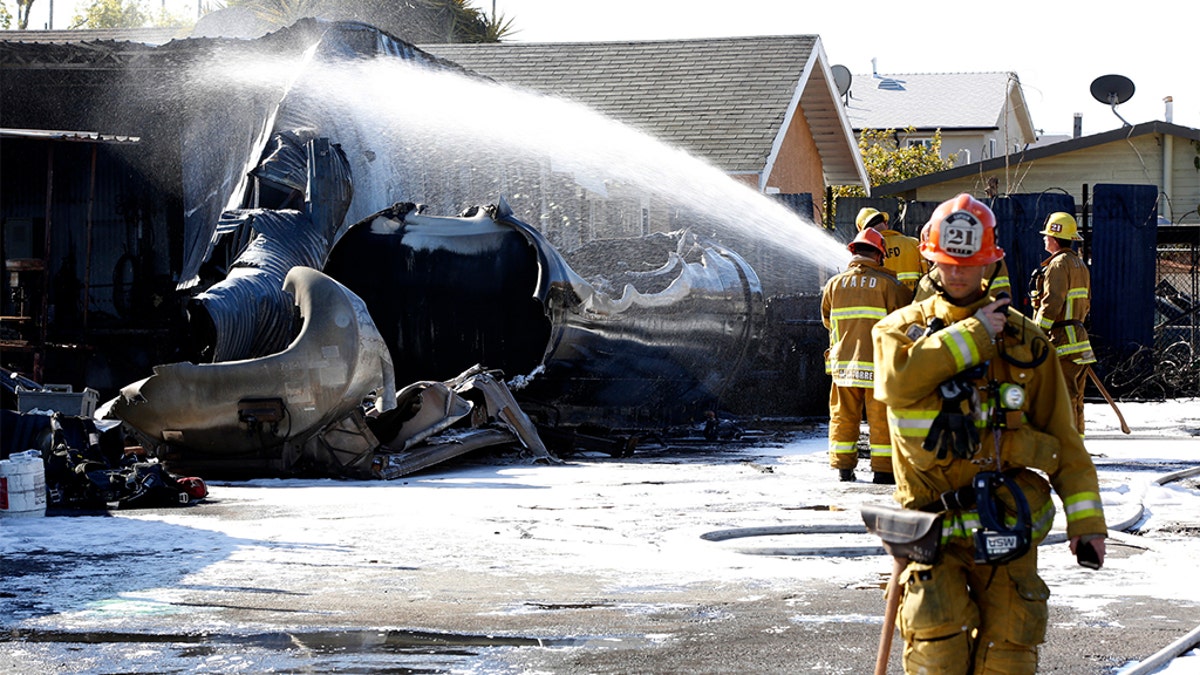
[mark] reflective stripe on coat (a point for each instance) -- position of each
(910, 366)
(903, 257)
(851, 303)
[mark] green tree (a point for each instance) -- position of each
(887, 162)
(470, 24)
(112, 14)
(5, 17)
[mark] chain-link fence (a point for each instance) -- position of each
(1170, 369)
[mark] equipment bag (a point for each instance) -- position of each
(905, 533)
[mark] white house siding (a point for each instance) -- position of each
(1136, 161)
(1185, 183)
(965, 147)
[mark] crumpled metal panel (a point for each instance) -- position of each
(645, 347)
(443, 420)
(225, 144)
(285, 161)
(433, 406)
(247, 411)
(248, 314)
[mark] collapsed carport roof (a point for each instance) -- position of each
(128, 87)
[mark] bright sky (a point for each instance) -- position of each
(1057, 49)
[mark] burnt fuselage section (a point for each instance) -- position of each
(653, 336)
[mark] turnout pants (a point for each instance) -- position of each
(959, 617)
(846, 407)
(956, 613)
(1076, 376)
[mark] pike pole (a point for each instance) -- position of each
(889, 616)
(1108, 397)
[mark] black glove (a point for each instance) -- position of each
(953, 430)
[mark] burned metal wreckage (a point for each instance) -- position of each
(296, 346)
(451, 293)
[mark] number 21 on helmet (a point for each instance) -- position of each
(961, 231)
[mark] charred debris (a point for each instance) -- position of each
(271, 316)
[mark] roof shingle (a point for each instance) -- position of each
(723, 99)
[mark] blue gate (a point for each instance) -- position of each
(1123, 245)
(1019, 221)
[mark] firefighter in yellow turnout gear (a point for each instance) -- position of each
(975, 397)
(851, 303)
(900, 251)
(1061, 297)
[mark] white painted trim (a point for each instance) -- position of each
(816, 59)
(1015, 95)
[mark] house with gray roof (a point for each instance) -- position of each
(1157, 153)
(764, 110)
(980, 115)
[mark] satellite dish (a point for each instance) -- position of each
(841, 79)
(1113, 90)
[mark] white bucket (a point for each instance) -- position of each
(22, 485)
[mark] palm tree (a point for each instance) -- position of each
(414, 20)
(23, 7)
(281, 12)
(470, 24)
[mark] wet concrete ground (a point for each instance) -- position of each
(460, 605)
(479, 625)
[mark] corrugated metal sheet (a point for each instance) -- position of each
(285, 239)
(212, 181)
(1124, 235)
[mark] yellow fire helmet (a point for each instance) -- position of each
(1061, 225)
(868, 214)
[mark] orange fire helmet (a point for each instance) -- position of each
(868, 237)
(962, 231)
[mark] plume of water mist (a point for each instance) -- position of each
(501, 120)
(404, 115)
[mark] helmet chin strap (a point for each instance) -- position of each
(992, 279)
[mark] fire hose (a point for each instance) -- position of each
(1149, 665)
